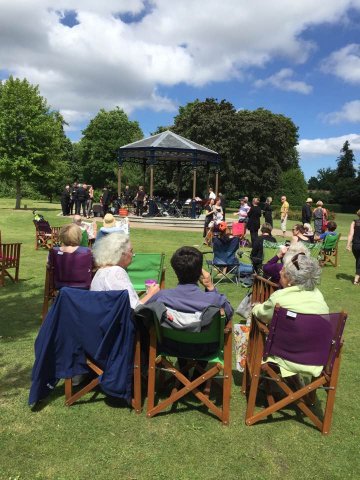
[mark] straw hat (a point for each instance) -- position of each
(309, 200)
(109, 220)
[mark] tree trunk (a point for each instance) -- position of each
(18, 195)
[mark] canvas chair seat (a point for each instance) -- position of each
(224, 263)
(145, 266)
(9, 259)
(66, 270)
(330, 250)
(212, 345)
(306, 340)
(88, 332)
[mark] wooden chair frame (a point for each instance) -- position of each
(44, 239)
(163, 364)
(71, 397)
(303, 396)
(9, 258)
(330, 255)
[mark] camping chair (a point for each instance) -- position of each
(224, 262)
(90, 333)
(329, 252)
(45, 236)
(9, 258)
(305, 339)
(145, 266)
(167, 342)
(66, 270)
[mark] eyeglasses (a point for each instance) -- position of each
(295, 260)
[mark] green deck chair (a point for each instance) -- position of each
(219, 364)
(329, 250)
(147, 266)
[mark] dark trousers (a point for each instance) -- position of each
(79, 204)
(356, 253)
(65, 207)
(254, 235)
(139, 208)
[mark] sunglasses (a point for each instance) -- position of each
(295, 260)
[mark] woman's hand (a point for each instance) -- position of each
(153, 289)
(348, 247)
(205, 280)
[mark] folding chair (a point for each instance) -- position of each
(304, 340)
(45, 236)
(88, 332)
(9, 258)
(168, 342)
(224, 262)
(66, 270)
(147, 266)
(329, 252)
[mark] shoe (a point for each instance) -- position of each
(356, 283)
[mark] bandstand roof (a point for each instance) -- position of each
(167, 147)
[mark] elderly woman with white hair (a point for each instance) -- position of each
(298, 277)
(112, 255)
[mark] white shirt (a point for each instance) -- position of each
(114, 278)
(212, 195)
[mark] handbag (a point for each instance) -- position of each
(244, 307)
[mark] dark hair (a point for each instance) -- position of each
(299, 227)
(187, 264)
(266, 228)
(331, 226)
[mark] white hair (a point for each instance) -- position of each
(307, 276)
(109, 249)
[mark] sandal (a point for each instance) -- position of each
(356, 283)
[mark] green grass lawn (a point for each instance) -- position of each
(98, 440)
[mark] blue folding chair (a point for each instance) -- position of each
(224, 262)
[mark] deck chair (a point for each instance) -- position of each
(147, 266)
(224, 262)
(45, 236)
(305, 340)
(329, 252)
(89, 333)
(166, 343)
(9, 258)
(66, 270)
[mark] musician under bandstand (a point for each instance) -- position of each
(168, 147)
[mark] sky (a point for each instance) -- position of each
(299, 58)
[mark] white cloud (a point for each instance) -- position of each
(283, 80)
(344, 63)
(103, 61)
(350, 112)
(328, 146)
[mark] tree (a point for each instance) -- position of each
(102, 138)
(293, 186)
(345, 162)
(254, 146)
(31, 135)
(265, 147)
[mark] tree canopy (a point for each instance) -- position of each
(31, 135)
(255, 146)
(343, 182)
(98, 149)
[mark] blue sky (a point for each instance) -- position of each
(299, 58)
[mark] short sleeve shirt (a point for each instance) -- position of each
(284, 208)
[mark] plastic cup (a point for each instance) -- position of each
(149, 283)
